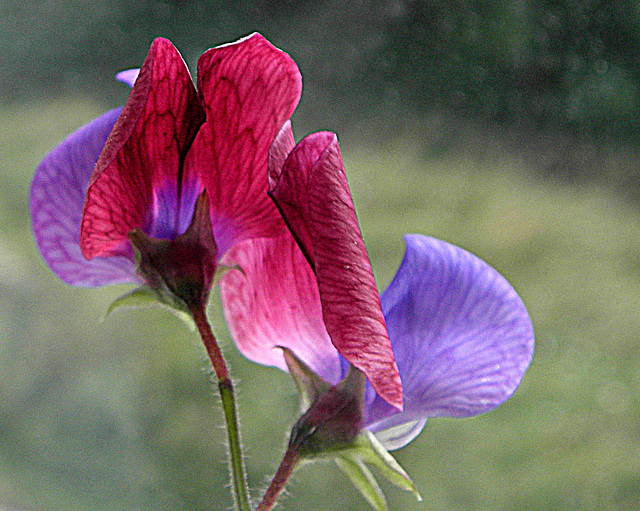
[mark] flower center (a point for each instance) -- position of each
(181, 271)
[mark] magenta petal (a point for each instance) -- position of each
(290, 186)
(57, 195)
(249, 89)
(137, 179)
(280, 148)
(273, 301)
(314, 197)
(461, 334)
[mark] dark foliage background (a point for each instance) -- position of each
(566, 64)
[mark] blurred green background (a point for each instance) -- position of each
(507, 127)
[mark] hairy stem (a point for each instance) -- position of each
(286, 468)
(225, 385)
(202, 323)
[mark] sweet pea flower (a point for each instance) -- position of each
(176, 177)
(158, 192)
(460, 334)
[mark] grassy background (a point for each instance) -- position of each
(121, 415)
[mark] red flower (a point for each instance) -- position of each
(310, 187)
(170, 143)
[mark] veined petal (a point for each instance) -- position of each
(278, 152)
(57, 194)
(272, 300)
(314, 197)
(290, 186)
(461, 334)
(249, 89)
(139, 178)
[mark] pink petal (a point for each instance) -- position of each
(290, 187)
(57, 195)
(137, 180)
(280, 148)
(249, 89)
(314, 196)
(273, 301)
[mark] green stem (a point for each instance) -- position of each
(225, 385)
(236, 462)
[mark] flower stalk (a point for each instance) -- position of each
(284, 472)
(225, 386)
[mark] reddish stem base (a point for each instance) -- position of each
(286, 468)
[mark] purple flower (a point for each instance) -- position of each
(460, 334)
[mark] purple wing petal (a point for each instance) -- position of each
(128, 76)
(273, 301)
(398, 435)
(460, 333)
(57, 195)
(249, 89)
(313, 196)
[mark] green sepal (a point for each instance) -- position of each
(311, 435)
(222, 270)
(366, 449)
(309, 384)
(363, 480)
(143, 297)
(375, 454)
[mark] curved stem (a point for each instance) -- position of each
(225, 385)
(286, 468)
